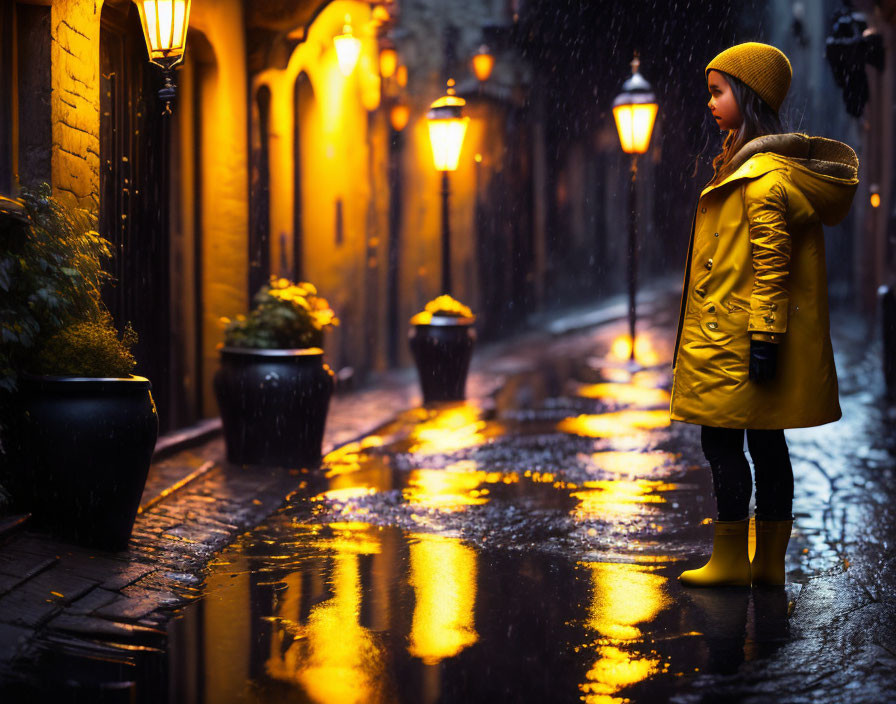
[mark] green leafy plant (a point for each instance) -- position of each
(50, 277)
(285, 315)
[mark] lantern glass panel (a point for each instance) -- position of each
(447, 139)
(634, 122)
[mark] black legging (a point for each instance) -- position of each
(731, 481)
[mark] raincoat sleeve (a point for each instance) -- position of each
(765, 200)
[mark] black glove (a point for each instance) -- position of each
(763, 361)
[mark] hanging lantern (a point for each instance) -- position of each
(399, 116)
(447, 128)
(164, 25)
(483, 63)
(401, 75)
(348, 48)
(634, 110)
(388, 60)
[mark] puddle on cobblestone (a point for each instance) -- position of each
(508, 552)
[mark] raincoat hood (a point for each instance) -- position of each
(824, 170)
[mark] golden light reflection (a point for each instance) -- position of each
(450, 429)
(452, 488)
(443, 575)
(620, 423)
(632, 394)
(624, 596)
(630, 463)
(332, 656)
(616, 498)
(645, 352)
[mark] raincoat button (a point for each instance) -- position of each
(708, 264)
(702, 210)
(716, 234)
(712, 326)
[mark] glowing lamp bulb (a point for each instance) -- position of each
(164, 24)
(348, 48)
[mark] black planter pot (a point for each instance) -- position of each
(442, 351)
(274, 405)
(84, 446)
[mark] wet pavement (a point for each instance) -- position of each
(524, 546)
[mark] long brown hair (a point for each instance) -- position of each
(758, 119)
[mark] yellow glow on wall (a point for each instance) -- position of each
(443, 575)
(635, 125)
(164, 25)
(348, 48)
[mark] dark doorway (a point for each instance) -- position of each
(134, 195)
(303, 96)
(260, 203)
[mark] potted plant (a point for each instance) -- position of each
(273, 387)
(442, 339)
(82, 428)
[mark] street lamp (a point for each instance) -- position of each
(634, 110)
(447, 128)
(348, 48)
(483, 63)
(165, 25)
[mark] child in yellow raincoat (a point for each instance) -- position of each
(753, 349)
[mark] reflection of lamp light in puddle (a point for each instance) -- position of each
(337, 659)
(618, 498)
(624, 596)
(443, 575)
(645, 353)
(618, 424)
(446, 489)
(636, 463)
(450, 429)
(630, 394)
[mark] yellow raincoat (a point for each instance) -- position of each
(756, 267)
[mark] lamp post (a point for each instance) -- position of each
(165, 24)
(447, 128)
(634, 111)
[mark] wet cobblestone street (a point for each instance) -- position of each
(524, 546)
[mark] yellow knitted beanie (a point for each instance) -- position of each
(763, 68)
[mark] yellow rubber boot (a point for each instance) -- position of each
(729, 565)
(772, 537)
